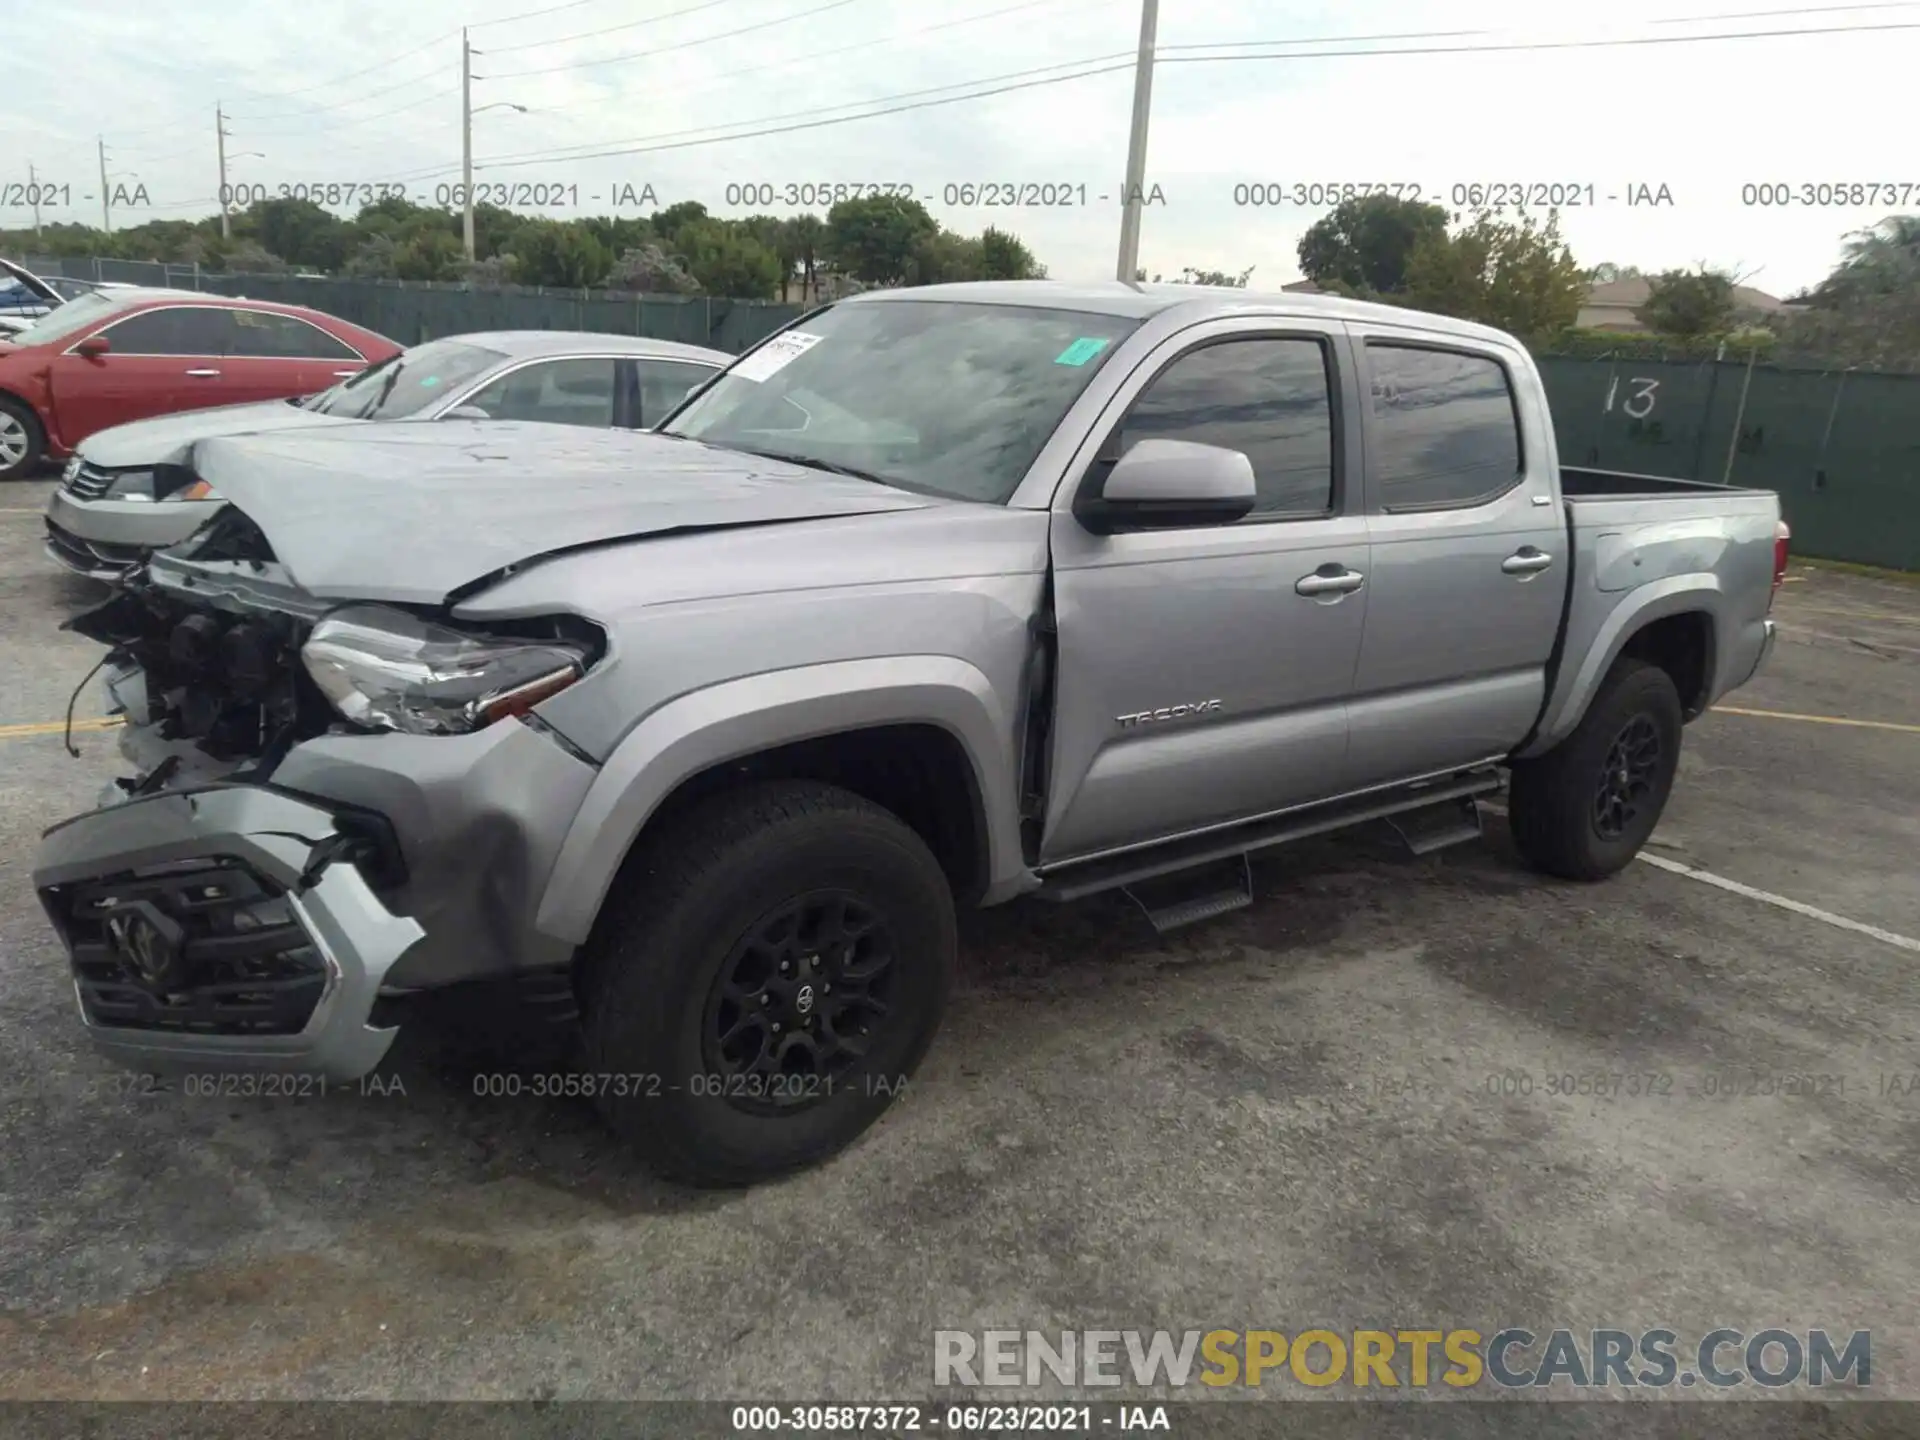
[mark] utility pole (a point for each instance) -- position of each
(1134, 199)
(466, 144)
(33, 194)
(106, 214)
(220, 147)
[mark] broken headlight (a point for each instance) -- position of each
(390, 670)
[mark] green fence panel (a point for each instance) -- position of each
(1841, 449)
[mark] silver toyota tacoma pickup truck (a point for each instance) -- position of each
(939, 597)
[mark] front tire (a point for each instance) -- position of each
(710, 981)
(1583, 810)
(22, 442)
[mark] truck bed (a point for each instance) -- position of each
(1577, 483)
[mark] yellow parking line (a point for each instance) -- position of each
(1816, 719)
(57, 727)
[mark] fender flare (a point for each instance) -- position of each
(1638, 608)
(741, 717)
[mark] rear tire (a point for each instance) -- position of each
(1583, 810)
(22, 442)
(690, 952)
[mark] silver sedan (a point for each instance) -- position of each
(131, 490)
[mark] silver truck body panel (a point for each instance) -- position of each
(748, 604)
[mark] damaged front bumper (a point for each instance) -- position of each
(229, 925)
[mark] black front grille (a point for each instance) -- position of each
(205, 947)
(89, 482)
(93, 554)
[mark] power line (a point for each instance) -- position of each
(1537, 44)
(1796, 10)
(681, 45)
(530, 14)
(792, 60)
(592, 34)
(645, 144)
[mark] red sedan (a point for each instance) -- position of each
(117, 355)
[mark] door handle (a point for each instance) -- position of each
(1329, 580)
(1526, 561)
(203, 374)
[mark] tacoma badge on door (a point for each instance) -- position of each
(1170, 712)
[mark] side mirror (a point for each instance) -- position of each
(93, 347)
(466, 412)
(1168, 485)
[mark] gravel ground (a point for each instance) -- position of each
(1330, 1110)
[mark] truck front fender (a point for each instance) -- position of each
(1601, 626)
(739, 718)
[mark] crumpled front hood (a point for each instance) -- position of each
(412, 513)
(165, 439)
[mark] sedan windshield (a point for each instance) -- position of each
(79, 313)
(939, 396)
(409, 383)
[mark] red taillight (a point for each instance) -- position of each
(1781, 536)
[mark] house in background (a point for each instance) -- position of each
(1611, 304)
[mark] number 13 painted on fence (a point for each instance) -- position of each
(1643, 397)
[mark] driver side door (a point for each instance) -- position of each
(1204, 672)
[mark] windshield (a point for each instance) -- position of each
(408, 383)
(80, 313)
(939, 396)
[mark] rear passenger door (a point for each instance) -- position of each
(1469, 556)
(1208, 625)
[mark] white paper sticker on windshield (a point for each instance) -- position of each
(777, 352)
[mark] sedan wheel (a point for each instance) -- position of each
(20, 442)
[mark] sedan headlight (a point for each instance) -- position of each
(131, 485)
(391, 670)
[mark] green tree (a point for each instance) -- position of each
(429, 254)
(1867, 311)
(372, 259)
(1003, 257)
(1606, 272)
(1518, 276)
(726, 260)
(878, 238)
(553, 252)
(1688, 305)
(944, 258)
(805, 237)
(1367, 244)
(1190, 276)
(301, 233)
(668, 223)
(649, 269)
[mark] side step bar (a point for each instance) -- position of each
(1447, 800)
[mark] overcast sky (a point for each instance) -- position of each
(354, 91)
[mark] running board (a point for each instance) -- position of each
(1435, 827)
(1074, 880)
(1190, 896)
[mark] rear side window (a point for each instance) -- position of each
(1445, 431)
(663, 385)
(284, 337)
(1267, 398)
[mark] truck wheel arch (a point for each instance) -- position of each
(1672, 624)
(910, 704)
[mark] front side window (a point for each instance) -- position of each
(1268, 398)
(1444, 427)
(170, 331)
(269, 335)
(410, 383)
(553, 392)
(939, 396)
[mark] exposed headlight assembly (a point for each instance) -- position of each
(131, 485)
(390, 670)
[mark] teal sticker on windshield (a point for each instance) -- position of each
(1081, 350)
(429, 381)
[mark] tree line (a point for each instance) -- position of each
(682, 249)
(1520, 275)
